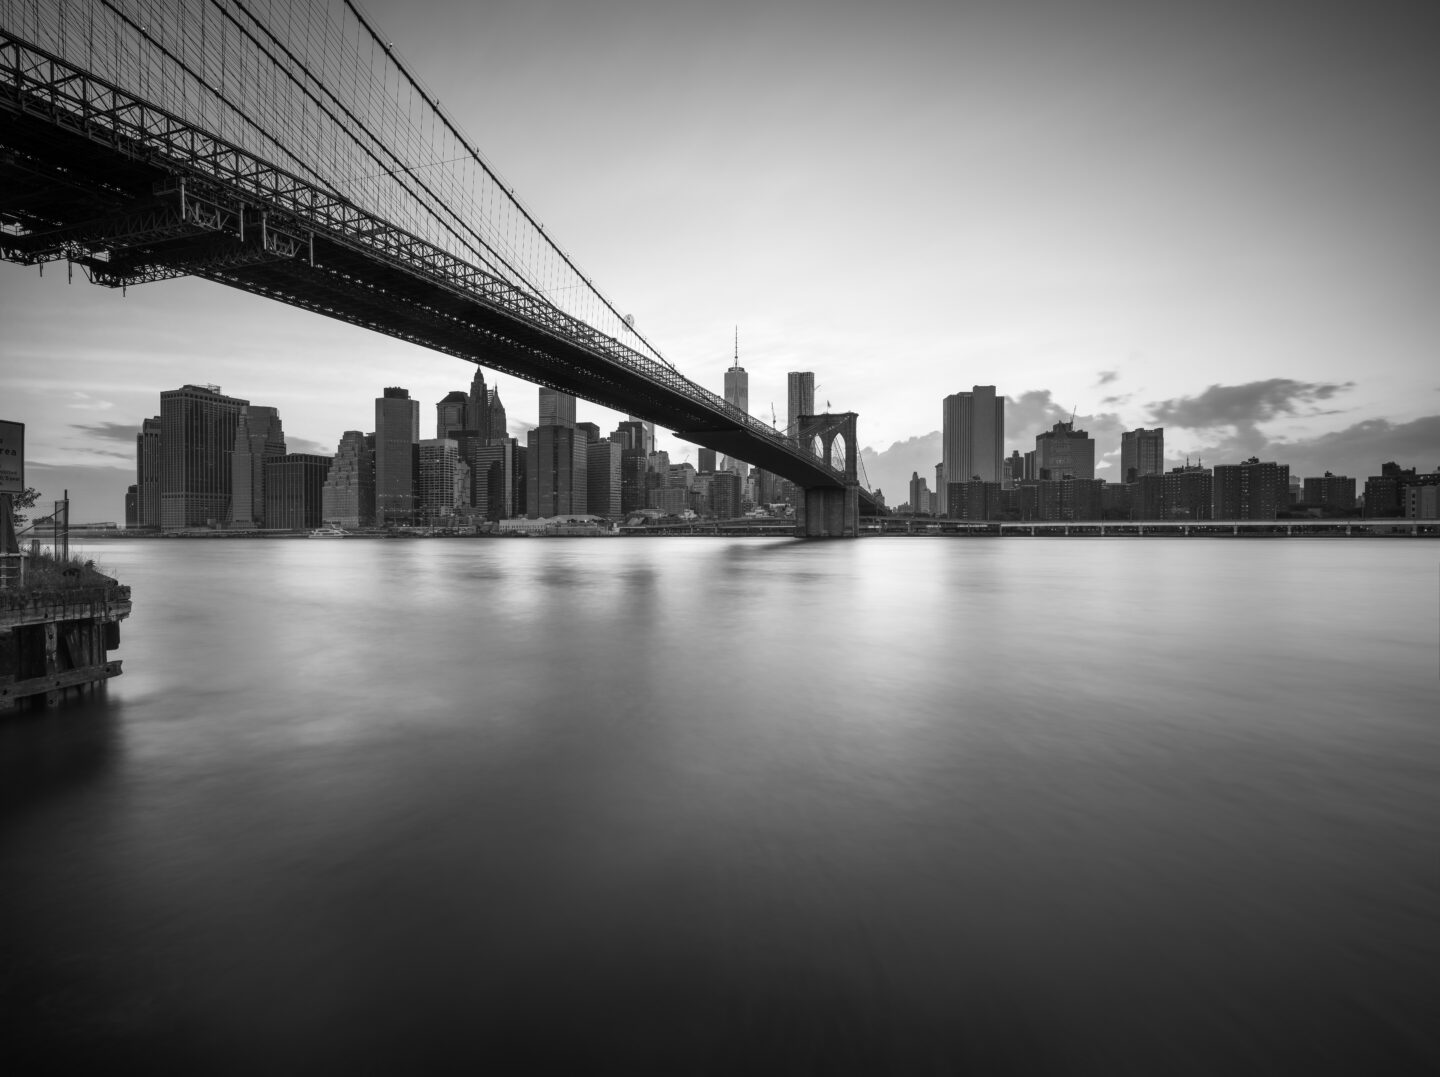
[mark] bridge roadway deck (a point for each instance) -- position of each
(929, 525)
(94, 175)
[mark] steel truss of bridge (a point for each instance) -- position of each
(95, 176)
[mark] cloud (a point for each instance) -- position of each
(1107, 376)
(1026, 415)
(1034, 412)
(296, 444)
(891, 469)
(109, 431)
(1244, 406)
(86, 402)
(1357, 451)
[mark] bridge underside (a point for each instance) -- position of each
(128, 214)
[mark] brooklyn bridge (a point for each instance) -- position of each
(283, 148)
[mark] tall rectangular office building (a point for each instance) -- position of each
(397, 433)
(1142, 452)
(649, 433)
(556, 481)
(1062, 452)
(972, 438)
(799, 399)
(147, 475)
(494, 480)
(453, 413)
(197, 438)
(603, 478)
(556, 408)
(295, 490)
(435, 485)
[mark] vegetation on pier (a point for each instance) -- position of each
(51, 578)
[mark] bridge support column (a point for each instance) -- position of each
(828, 512)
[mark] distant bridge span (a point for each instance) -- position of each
(93, 174)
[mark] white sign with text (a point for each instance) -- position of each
(12, 457)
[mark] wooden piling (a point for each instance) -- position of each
(54, 641)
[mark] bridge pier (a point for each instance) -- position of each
(828, 512)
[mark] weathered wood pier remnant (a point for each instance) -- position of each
(54, 638)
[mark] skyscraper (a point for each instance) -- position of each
(630, 435)
(397, 430)
(258, 439)
(556, 408)
(467, 444)
(1142, 452)
(494, 480)
(1012, 470)
(972, 438)
(725, 495)
(737, 392)
(435, 489)
(147, 475)
(1063, 452)
(603, 480)
(649, 445)
(197, 438)
(920, 497)
(477, 407)
(497, 428)
(450, 414)
(556, 465)
(348, 499)
(799, 399)
(295, 490)
(634, 471)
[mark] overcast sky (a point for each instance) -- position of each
(1221, 218)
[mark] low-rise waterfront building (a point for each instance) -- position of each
(1189, 493)
(1330, 493)
(1251, 490)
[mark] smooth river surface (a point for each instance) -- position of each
(714, 806)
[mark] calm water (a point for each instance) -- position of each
(738, 806)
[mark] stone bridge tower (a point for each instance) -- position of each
(830, 511)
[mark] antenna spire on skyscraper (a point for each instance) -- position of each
(737, 345)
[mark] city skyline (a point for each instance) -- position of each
(1037, 463)
(1229, 240)
(577, 470)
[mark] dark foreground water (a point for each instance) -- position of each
(681, 806)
